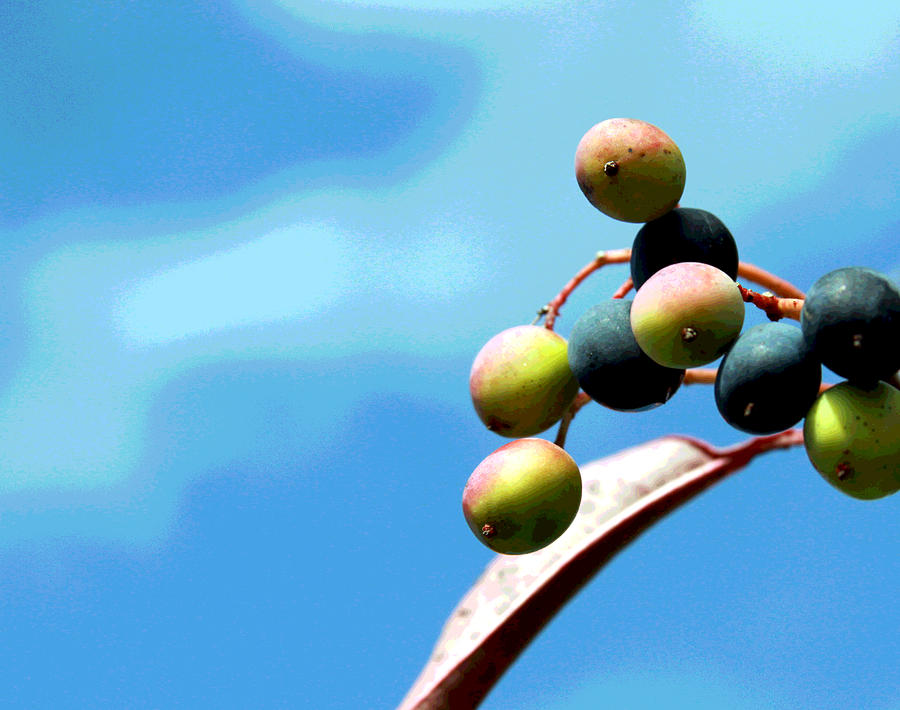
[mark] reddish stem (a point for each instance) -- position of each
(741, 454)
(614, 256)
(770, 281)
(775, 308)
(707, 376)
(623, 290)
(787, 304)
(699, 376)
(580, 400)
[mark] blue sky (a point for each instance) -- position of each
(249, 251)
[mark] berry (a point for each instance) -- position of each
(767, 380)
(852, 437)
(683, 234)
(521, 382)
(687, 314)
(610, 366)
(523, 496)
(851, 319)
(629, 169)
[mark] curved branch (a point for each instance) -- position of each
(613, 256)
(775, 308)
(776, 284)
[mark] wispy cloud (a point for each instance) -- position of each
(286, 274)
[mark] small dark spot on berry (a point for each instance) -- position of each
(844, 471)
(488, 530)
(586, 187)
(611, 168)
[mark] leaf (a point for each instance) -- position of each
(624, 494)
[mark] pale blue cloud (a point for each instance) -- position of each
(291, 273)
(682, 689)
(110, 323)
(824, 37)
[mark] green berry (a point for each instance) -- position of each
(629, 169)
(852, 438)
(687, 314)
(520, 381)
(523, 496)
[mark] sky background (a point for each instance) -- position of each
(249, 251)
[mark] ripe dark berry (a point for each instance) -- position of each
(683, 234)
(611, 367)
(768, 380)
(851, 319)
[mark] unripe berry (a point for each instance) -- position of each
(687, 314)
(629, 169)
(523, 496)
(520, 381)
(852, 438)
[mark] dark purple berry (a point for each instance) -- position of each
(768, 380)
(851, 319)
(610, 366)
(683, 234)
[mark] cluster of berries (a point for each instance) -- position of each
(688, 311)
